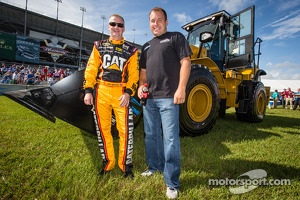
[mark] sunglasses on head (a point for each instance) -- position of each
(120, 25)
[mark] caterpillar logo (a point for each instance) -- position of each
(130, 138)
(113, 62)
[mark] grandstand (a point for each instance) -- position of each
(47, 41)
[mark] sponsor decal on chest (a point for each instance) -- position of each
(113, 62)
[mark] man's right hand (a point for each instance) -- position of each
(88, 99)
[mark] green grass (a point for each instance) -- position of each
(44, 160)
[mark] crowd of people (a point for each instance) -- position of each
(287, 98)
(31, 75)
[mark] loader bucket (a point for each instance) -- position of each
(63, 100)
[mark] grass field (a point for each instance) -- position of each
(44, 160)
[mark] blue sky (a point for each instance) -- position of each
(277, 23)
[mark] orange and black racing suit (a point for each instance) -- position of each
(113, 69)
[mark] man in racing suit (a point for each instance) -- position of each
(113, 68)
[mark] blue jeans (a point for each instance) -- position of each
(161, 125)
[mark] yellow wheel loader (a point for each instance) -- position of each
(225, 72)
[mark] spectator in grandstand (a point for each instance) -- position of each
(69, 72)
(49, 74)
(61, 73)
(15, 77)
(56, 73)
(7, 77)
(51, 80)
(45, 72)
(20, 77)
(13, 67)
(37, 74)
(5, 69)
(42, 76)
(29, 78)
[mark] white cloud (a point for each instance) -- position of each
(182, 18)
(286, 27)
(283, 70)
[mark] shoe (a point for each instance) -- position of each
(147, 173)
(172, 193)
(128, 174)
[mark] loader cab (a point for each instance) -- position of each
(206, 38)
(227, 40)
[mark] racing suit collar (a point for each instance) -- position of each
(116, 41)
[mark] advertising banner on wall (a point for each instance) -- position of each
(27, 49)
(7, 46)
(55, 48)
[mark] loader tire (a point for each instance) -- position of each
(200, 110)
(257, 107)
